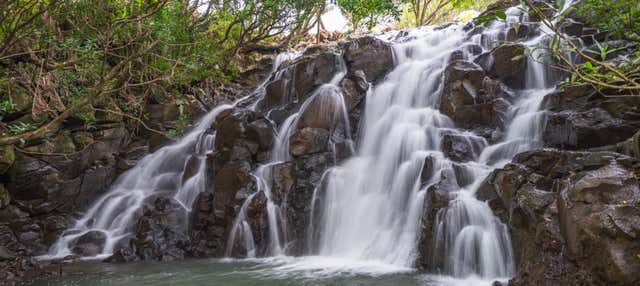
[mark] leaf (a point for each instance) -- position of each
(501, 15)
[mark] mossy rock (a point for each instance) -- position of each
(64, 144)
(21, 100)
(108, 104)
(7, 157)
(61, 144)
(5, 198)
(110, 134)
(633, 145)
(82, 139)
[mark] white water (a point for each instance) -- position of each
(163, 171)
(328, 99)
(370, 206)
(115, 213)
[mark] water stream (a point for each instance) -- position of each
(366, 214)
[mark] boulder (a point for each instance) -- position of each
(586, 129)
(354, 89)
(470, 98)
(283, 180)
(261, 131)
(90, 244)
(565, 208)
(7, 157)
(371, 55)
(462, 147)
(308, 141)
(508, 64)
(312, 72)
(160, 232)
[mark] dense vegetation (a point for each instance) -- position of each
(59, 58)
(612, 70)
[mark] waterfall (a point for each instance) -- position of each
(370, 206)
(114, 214)
(331, 101)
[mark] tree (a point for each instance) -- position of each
(429, 12)
(619, 77)
(368, 13)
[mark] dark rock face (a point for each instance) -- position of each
(308, 141)
(299, 79)
(470, 98)
(90, 243)
(371, 55)
(580, 118)
(566, 208)
(159, 234)
(507, 63)
(461, 148)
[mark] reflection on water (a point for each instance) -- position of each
(263, 272)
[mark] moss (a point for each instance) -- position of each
(5, 198)
(7, 157)
(82, 139)
(64, 144)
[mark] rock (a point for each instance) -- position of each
(371, 55)
(7, 157)
(308, 141)
(312, 72)
(258, 219)
(283, 180)
(508, 64)
(580, 118)
(462, 148)
(160, 233)
(90, 244)
(599, 215)
(431, 254)
(571, 27)
(262, 132)
(470, 99)
(565, 208)
(587, 129)
(354, 89)
(324, 110)
(5, 198)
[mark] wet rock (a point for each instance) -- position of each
(324, 110)
(461, 148)
(371, 55)
(308, 141)
(160, 233)
(470, 99)
(587, 129)
(258, 220)
(90, 244)
(312, 72)
(599, 215)
(431, 257)
(354, 89)
(261, 131)
(508, 64)
(565, 208)
(283, 178)
(579, 118)
(571, 27)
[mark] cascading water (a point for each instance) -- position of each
(370, 207)
(330, 101)
(164, 171)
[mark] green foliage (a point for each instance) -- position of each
(21, 127)
(368, 13)
(620, 18)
